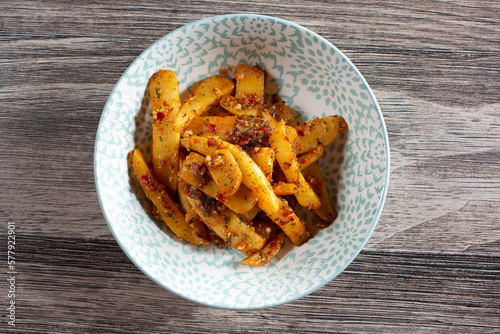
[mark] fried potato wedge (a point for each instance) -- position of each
(202, 99)
(215, 126)
(166, 208)
(264, 158)
(281, 141)
(249, 84)
(252, 175)
(294, 227)
(165, 103)
(284, 189)
(265, 255)
(315, 178)
(225, 223)
(281, 112)
(318, 131)
(235, 106)
(224, 171)
(310, 157)
(195, 173)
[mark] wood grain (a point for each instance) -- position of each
(433, 262)
(89, 285)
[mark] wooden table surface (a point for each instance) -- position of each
(431, 265)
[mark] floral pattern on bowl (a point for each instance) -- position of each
(314, 79)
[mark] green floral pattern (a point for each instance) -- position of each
(315, 80)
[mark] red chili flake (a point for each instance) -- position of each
(244, 141)
(254, 101)
(273, 245)
(196, 140)
(300, 132)
(146, 180)
(160, 115)
(221, 198)
(211, 128)
(282, 222)
(211, 142)
(286, 214)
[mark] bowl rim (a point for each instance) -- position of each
(380, 203)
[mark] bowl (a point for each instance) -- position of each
(314, 79)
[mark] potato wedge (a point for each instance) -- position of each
(252, 175)
(290, 223)
(264, 158)
(265, 255)
(264, 226)
(254, 178)
(203, 145)
(281, 112)
(250, 215)
(235, 106)
(202, 99)
(269, 118)
(310, 157)
(166, 208)
(318, 131)
(225, 223)
(314, 177)
(185, 204)
(249, 84)
(283, 189)
(224, 171)
(195, 173)
(165, 103)
(282, 145)
(214, 126)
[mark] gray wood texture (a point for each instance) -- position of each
(431, 265)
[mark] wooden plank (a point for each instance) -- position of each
(432, 264)
(88, 285)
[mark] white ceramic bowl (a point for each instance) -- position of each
(314, 79)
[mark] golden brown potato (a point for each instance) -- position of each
(165, 103)
(166, 208)
(235, 106)
(310, 157)
(195, 173)
(318, 131)
(224, 171)
(264, 158)
(214, 126)
(265, 255)
(202, 99)
(283, 189)
(289, 222)
(225, 223)
(281, 142)
(249, 85)
(281, 112)
(315, 178)
(252, 175)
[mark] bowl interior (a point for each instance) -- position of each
(314, 79)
